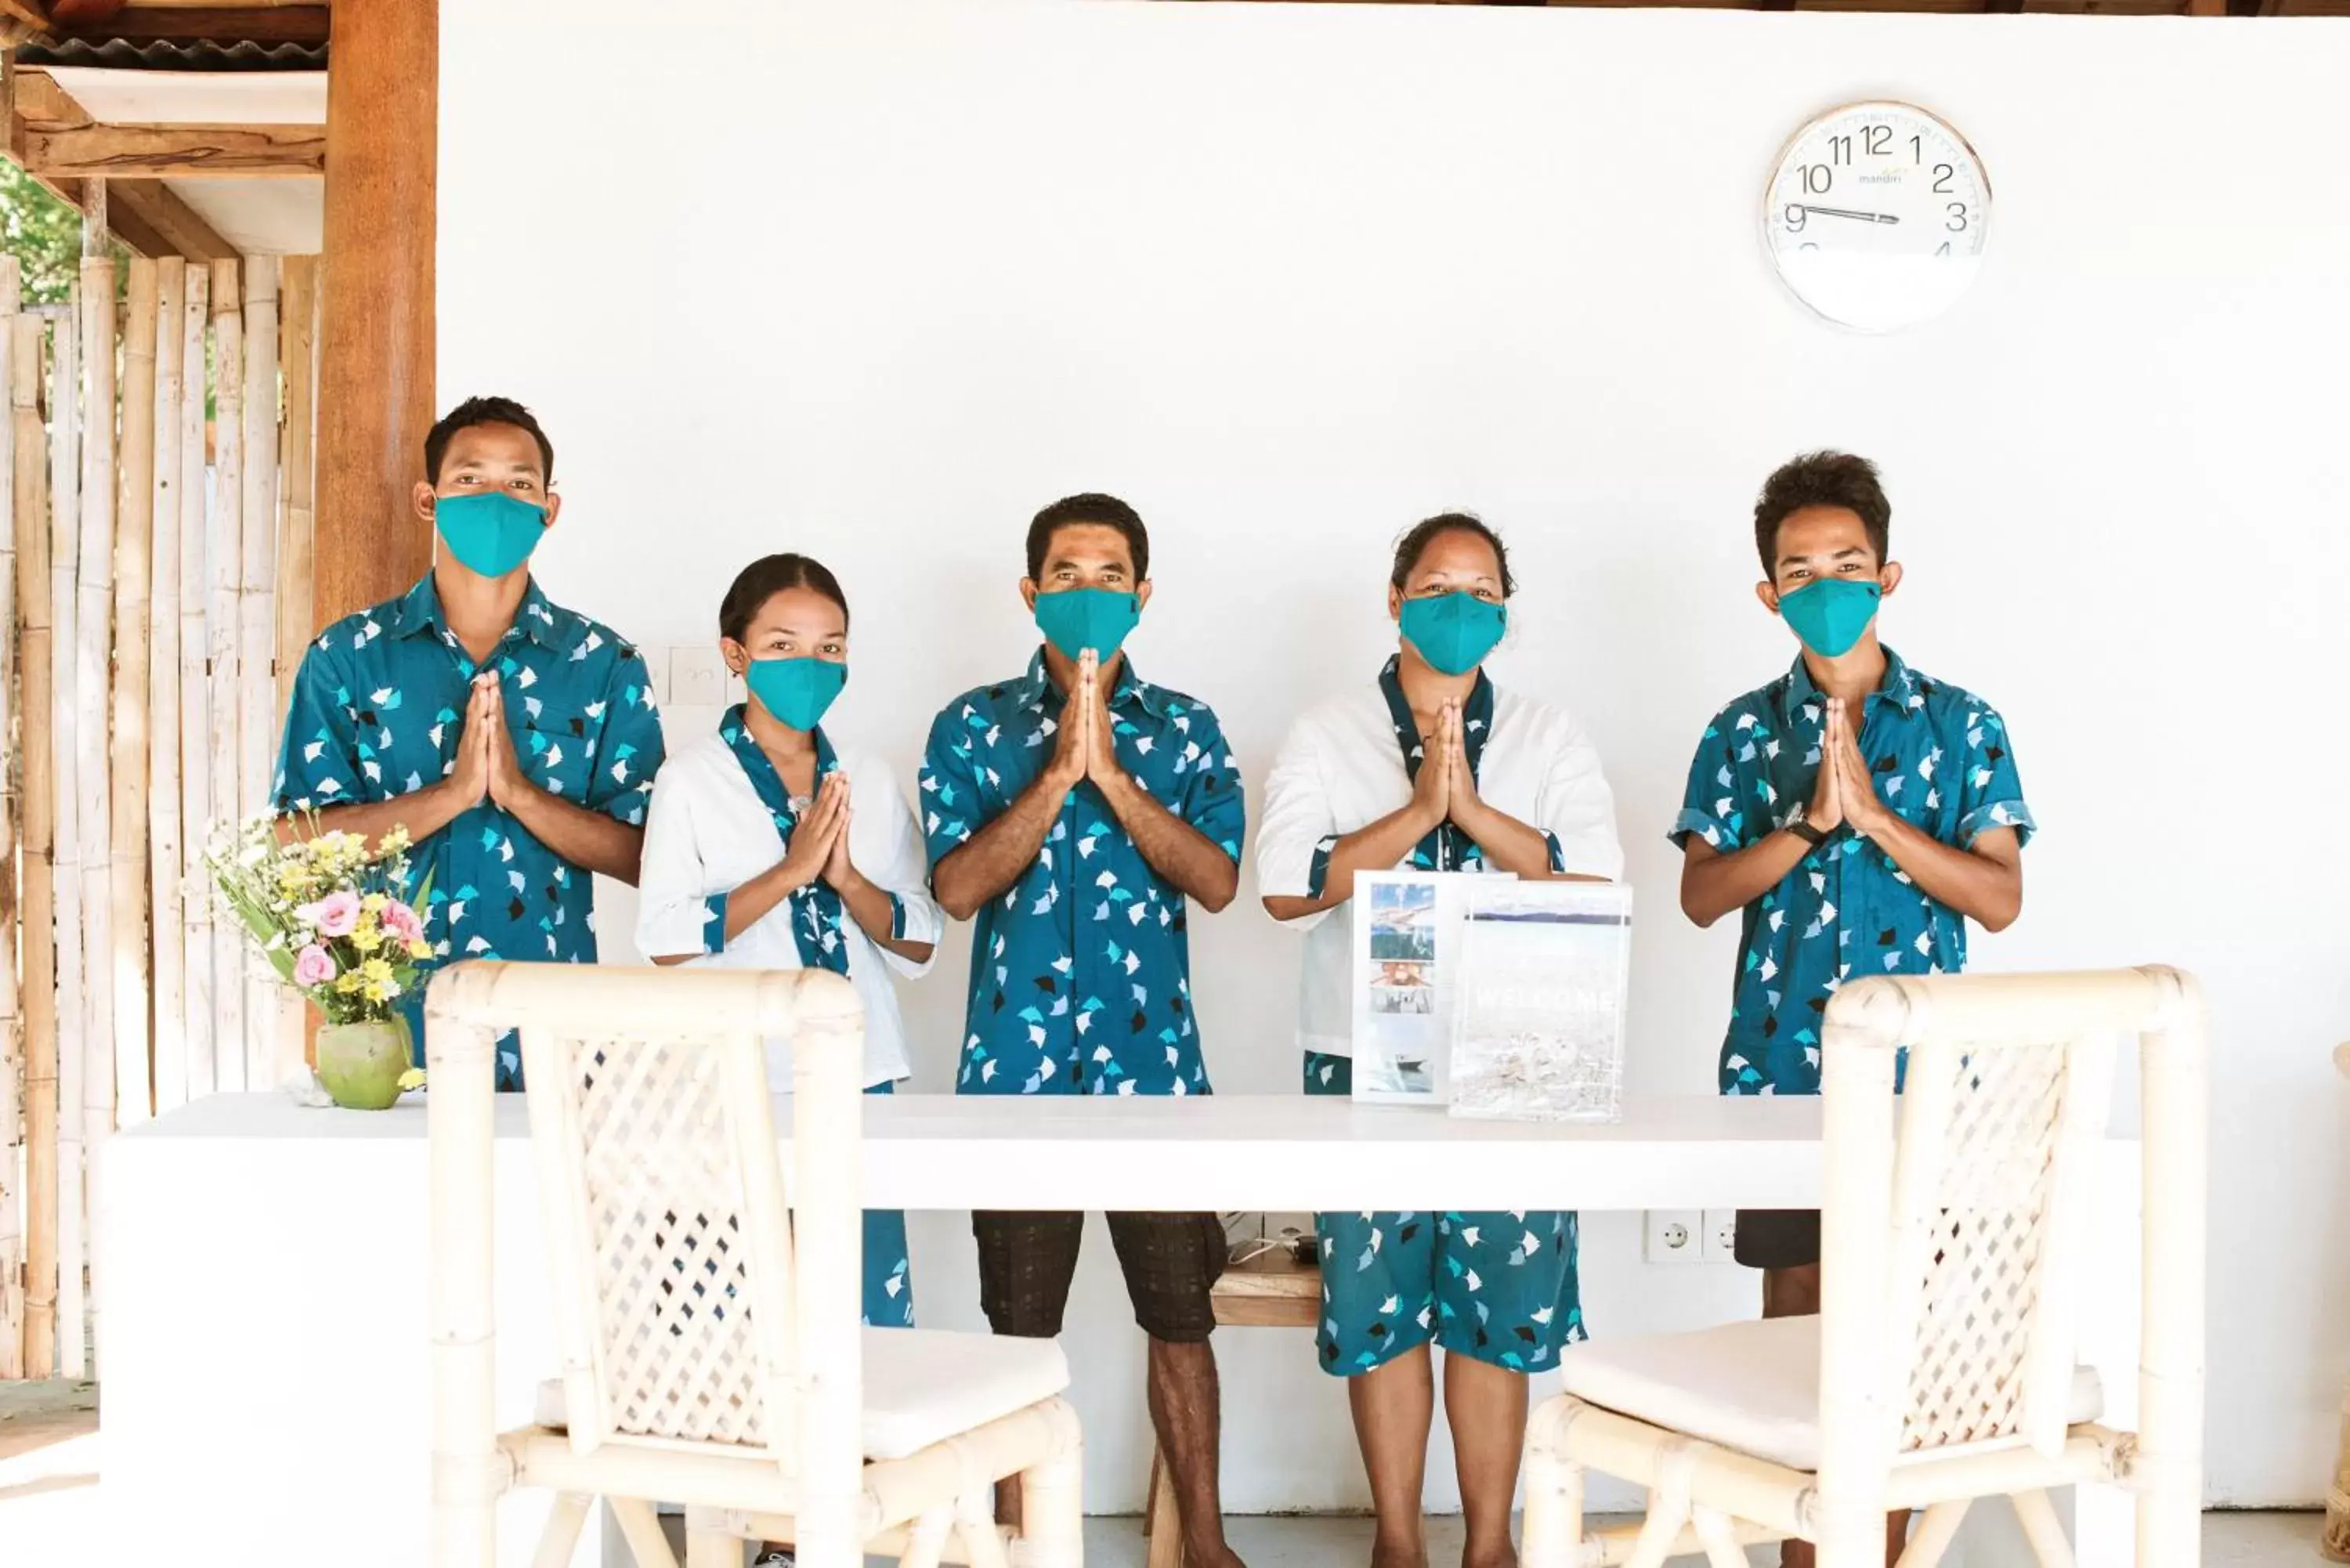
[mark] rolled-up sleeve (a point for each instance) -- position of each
(1715, 800)
(888, 846)
(1298, 827)
(633, 746)
(1992, 794)
(678, 913)
(1214, 803)
(1578, 812)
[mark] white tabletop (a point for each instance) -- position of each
(1221, 1152)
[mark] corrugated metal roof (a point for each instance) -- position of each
(171, 54)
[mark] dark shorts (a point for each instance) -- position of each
(1170, 1262)
(1778, 1237)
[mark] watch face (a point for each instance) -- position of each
(1877, 215)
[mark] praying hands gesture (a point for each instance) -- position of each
(1086, 748)
(819, 846)
(1845, 791)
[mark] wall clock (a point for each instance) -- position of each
(1877, 215)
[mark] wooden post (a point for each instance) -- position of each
(375, 367)
(225, 550)
(198, 926)
(134, 543)
(30, 503)
(256, 597)
(297, 367)
(12, 1042)
(163, 696)
(2174, 1111)
(93, 678)
(64, 558)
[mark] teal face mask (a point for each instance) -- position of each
(795, 691)
(1830, 615)
(1077, 618)
(490, 533)
(1454, 631)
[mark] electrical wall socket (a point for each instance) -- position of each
(1720, 1236)
(697, 677)
(1671, 1236)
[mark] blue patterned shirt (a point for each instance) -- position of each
(1081, 972)
(1942, 760)
(378, 712)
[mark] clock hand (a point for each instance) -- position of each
(1848, 212)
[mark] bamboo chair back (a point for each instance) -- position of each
(1962, 1243)
(670, 1244)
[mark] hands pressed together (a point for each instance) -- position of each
(487, 766)
(1086, 747)
(819, 846)
(1846, 790)
(1446, 788)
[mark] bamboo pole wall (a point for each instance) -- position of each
(155, 596)
(12, 1041)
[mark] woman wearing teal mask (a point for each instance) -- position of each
(769, 848)
(1433, 767)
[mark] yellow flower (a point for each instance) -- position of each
(376, 970)
(368, 937)
(373, 903)
(419, 949)
(380, 990)
(413, 1079)
(392, 843)
(349, 981)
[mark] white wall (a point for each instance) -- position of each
(876, 281)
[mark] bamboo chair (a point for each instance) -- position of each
(712, 1353)
(1942, 1366)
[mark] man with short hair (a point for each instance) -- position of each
(513, 740)
(1076, 812)
(1856, 812)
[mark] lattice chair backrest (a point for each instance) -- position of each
(1972, 1232)
(670, 1241)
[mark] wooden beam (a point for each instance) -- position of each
(43, 105)
(375, 349)
(160, 212)
(176, 151)
(29, 12)
(218, 24)
(135, 233)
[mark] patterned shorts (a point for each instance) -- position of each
(1500, 1287)
(889, 1272)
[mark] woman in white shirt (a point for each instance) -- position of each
(1433, 767)
(765, 848)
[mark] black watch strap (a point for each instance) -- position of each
(1807, 833)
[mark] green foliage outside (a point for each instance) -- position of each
(42, 232)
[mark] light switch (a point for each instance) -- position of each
(697, 677)
(657, 667)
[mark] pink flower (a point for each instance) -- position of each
(336, 915)
(312, 966)
(400, 921)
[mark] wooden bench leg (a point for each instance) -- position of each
(1162, 1527)
(2337, 1543)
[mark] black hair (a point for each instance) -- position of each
(765, 577)
(1417, 539)
(1834, 479)
(1090, 510)
(483, 412)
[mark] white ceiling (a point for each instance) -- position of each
(278, 216)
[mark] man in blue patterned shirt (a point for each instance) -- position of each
(1855, 812)
(514, 740)
(1077, 812)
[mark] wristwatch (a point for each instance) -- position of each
(1805, 830)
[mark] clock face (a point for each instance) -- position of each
(1877, 215)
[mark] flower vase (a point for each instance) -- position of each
(361, 1064)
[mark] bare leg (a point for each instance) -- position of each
(1795, 1292)
(1185, 1409)
(1486, 1406)
(1393, 1405)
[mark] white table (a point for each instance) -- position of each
(263, 1268)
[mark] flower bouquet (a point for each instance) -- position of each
(333, 917)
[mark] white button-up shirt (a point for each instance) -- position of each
(1341, 769)
(708, 833)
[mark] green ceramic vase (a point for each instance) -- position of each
(360, 1064)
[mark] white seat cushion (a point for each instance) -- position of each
(1750, 1386)
(924, 1385)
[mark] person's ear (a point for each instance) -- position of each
(1395, 604)
(737, 657)
(1142, 596)
(1769, 595)
(1890, 577)
(553, 509)
(1028, 594)
(421, 498)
